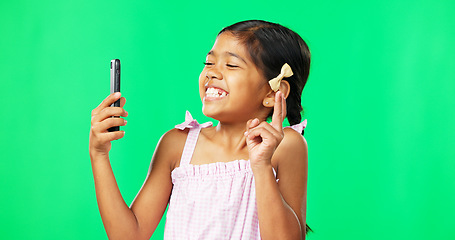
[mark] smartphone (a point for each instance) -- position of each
(115, 86)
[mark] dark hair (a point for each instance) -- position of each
(271, 45)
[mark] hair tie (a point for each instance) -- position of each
(286, 71)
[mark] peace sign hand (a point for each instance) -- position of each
(263, 138)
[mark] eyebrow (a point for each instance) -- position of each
(230, 54)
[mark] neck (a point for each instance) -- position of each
(230, 132)
(231, 135)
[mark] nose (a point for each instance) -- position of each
(213, 73)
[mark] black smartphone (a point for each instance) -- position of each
(115, 86)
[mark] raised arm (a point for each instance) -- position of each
(121, 221)
(151, 201)
(281, 206)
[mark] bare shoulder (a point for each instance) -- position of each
(293, 150)
(171, 144)
(174, 137)
(293, 137)
(293, 143)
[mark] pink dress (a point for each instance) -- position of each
(212, 201)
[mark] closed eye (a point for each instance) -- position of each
(232, 66)
(208, 63)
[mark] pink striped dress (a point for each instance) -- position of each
(212, 201)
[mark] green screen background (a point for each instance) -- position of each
(379, 104)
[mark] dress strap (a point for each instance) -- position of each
(191, 140)
(299, 127)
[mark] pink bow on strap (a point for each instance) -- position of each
(191, 123)
(298, 127)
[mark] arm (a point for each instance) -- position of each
(140, 220)
(120, 221)
(282, 205)
(151, 201)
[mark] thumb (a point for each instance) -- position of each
(252, 123)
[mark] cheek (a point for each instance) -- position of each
(202, 84)
(202, 77)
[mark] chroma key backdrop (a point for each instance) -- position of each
(379, 103)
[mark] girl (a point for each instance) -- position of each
(243, 179)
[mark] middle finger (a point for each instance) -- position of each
(109, 112)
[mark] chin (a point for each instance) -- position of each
(211, 113)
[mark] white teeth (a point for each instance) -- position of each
(214, 93)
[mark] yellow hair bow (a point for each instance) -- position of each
(286, 71)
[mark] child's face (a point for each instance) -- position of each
(231, 86)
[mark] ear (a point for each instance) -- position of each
(269, 100)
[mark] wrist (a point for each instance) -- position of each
(259, 168)
(98, 155)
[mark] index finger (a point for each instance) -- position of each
(108, 101)
(279, 111)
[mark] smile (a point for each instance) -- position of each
(213, 93)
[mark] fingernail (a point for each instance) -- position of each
(124, 123)
(117, 94)
(245, 133)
